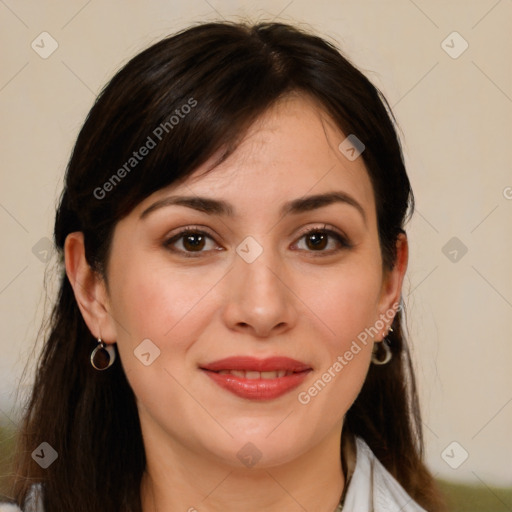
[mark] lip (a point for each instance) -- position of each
(249, 363)
(257, 389)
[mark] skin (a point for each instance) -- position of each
(293, 300)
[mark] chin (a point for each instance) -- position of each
(263, 447)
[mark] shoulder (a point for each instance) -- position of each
(33, 503)
(8, 507)
(373, 488)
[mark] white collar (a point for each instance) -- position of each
(373, 489)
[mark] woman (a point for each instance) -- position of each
(228, 333)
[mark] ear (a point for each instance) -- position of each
(89, 288)
(391, 290)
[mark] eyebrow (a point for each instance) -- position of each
(219, 207)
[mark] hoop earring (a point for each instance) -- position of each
(103, 356)
(377, 359)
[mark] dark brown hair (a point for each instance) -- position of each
(228, 74)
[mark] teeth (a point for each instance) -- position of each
(256, 375)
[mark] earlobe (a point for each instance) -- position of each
(89, 289)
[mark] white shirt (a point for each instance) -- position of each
(371, 489)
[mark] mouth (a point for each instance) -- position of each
(247, 374)
(257, 379)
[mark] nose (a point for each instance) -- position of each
(259, 298)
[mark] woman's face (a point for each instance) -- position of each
(247, 282)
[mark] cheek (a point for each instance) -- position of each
(170, 311)
(347, 303)
(168, 306)
(346, 307)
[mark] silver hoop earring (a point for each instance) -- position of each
(379, 360)
(103, 356)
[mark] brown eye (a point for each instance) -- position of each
(317, 241)
(191, 242)
(194, 242)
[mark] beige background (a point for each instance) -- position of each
(456, 118)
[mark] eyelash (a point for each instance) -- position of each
(342, 240)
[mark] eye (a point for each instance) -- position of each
(191, 240)
(320, 239)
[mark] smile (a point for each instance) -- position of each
(257, 379)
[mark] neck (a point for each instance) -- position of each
(177, 479)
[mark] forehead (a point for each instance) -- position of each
(289, 152)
